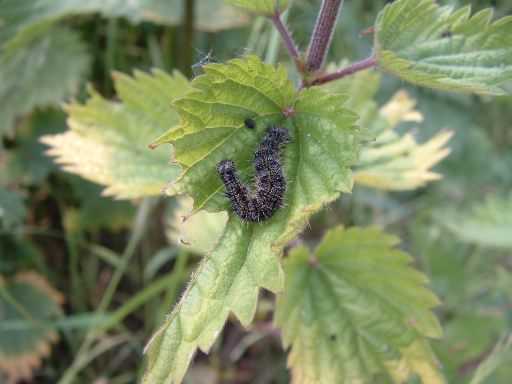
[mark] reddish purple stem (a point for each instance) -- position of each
(351, 69)
(322, 34)
(286, 36)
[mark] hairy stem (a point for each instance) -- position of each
(367, 63)
(286, 36)
(322, 34)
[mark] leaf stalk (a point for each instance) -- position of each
(367, 63)
(286, 36)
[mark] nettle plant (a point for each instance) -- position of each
(352, 310)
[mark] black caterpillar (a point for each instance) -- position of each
(262, 201)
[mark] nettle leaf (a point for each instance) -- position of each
(107, 141)
(199, 232)
(488, 223)
(263, 7)
(354, 310)
(27, 298)
(436, 47)
(26, 163)
(36, 64)
(392, 160)
(325, 143)
(396, 161)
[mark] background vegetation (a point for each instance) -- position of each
(85, 279)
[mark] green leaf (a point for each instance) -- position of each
(262, 7)
(488, 223)
(199, 232)
(436, 47)
(12, 209)
(37, 64)
(26, 297)
(227, 280)
(27, 17)
(393, 160)
(325, 143)
(354, 309)
(26, 163)
(18, 254)
(107, 142)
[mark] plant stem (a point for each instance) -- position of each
(288, 41)
(139, 228)
(111, 52)
(322, 34)
(351, 69)
(188, 35)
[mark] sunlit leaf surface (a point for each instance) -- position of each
(354, 311)
(325, 143)
(108, 141)
(433, 46)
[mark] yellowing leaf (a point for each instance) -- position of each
(108, 141)
(401, 108)
(354, 310)
(28, 297)
(394, 162)
(324, 145)
(433, 46)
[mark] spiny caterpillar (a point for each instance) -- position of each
(261, 202)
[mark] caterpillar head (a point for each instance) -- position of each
(278, 135)
(225, 167)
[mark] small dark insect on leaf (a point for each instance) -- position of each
(266, 197)
(197, 68)
(446, 34)
(250, 123)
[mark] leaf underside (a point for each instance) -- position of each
(354, 311)
(247, 255)
(108, 141)
(396, 161)
(436, 47)
(391, 160)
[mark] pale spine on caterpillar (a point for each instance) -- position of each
(266, 197)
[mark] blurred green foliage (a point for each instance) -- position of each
(60, 226)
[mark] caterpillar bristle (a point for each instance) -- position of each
(260, 202)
